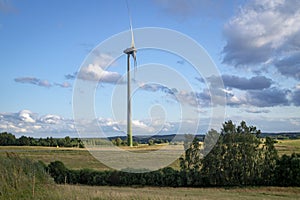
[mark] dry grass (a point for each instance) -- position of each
(288, 146)
(111, 193)
(75, 158)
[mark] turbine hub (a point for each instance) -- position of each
(130, 50)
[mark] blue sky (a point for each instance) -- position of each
(254, 44)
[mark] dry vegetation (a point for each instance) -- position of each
(288, 146)
(111, 193)
(80, 158)
(76, 158)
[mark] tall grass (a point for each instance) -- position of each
(21, 178)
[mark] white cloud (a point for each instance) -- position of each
(103, 60)
(51, 119)
(262, 32)
(30, 123)
(94, 72)
(26, 116)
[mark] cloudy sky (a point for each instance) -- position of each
(255, 46)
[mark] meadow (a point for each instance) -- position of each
(78, 158)
(75, 158)
(288, 146)
(147, 193)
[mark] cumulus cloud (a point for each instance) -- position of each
(51, 119)
(296, 97)
(26, 116)
(30, 123)
(268, 97)
(93, 72)
(34, 81)
(242, 83)
(289, 66)
(96, 71)
(263, 31)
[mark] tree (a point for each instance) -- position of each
(191, 162)
(288, 170)
(24, 141)
(270, 162)
(7, 139)
(67, 142)
(237, 158)
(150, 142)
(118, 141)
(58, 171)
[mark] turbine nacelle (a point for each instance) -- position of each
(130, 50)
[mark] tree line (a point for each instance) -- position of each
(8, 139)
(238, 158)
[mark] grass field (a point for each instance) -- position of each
(288, 146)
(75, 158)
(111, 193)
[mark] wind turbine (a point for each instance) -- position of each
(131, 51)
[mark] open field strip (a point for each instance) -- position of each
(147, 193)
(288, 146)
(77, 158)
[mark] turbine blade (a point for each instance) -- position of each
(135, 63)
(130, 23)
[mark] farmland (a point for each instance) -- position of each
(288, 146)
(77, 158)
(111, 193)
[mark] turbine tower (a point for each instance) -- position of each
(131, 51)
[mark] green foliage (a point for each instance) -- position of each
(237, 158)
(288, 170)
(58, 171)
(8, 139)
(150, 142)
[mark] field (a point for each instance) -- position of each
(111, 193)
(288, 146)
(76, 158)
(73, 158)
